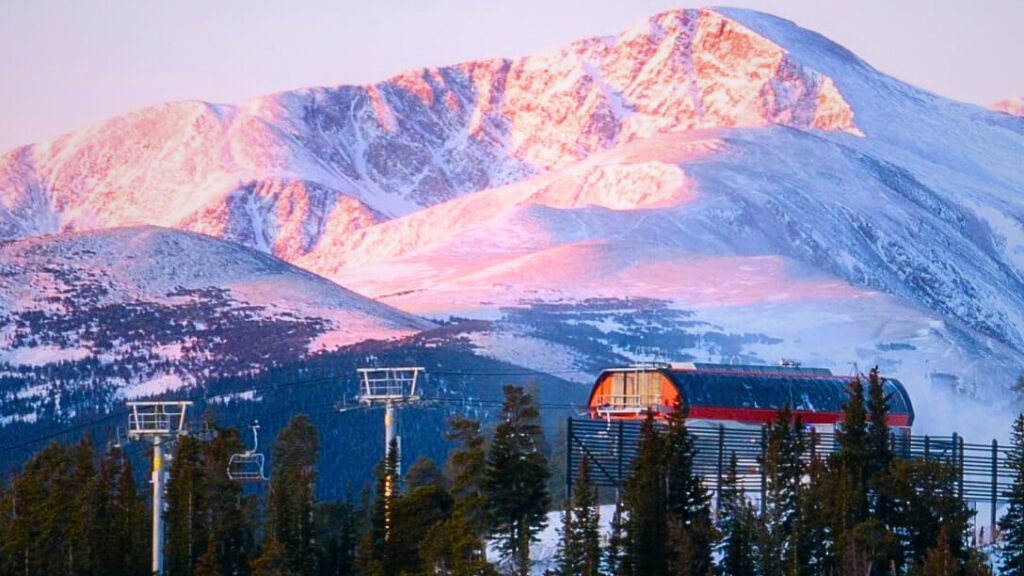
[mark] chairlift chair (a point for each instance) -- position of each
(248, 466)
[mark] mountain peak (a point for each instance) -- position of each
(1011, 106)
(365, 153)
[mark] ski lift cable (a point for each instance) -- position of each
(205, 396)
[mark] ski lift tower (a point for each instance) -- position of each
(157, 421)
(390, 387)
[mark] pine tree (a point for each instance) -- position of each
(737, 525)
(1012, 522)
(691, 533)
(926, 504)
(516, 479)
(852, 435)
(130, 526)
(783, 470)
(879, 438)
(579, 553)
(289, 528)
(455, 546)
(184, 519)
(588, 521)
(568, 556)
(939, 560)
(467, 469)
(644, 501)
(373, 554)
(230, 518)
(419, 509)
(615, 553)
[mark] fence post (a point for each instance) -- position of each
(814, 444)
(618, 472)
(721, 456)
(927, 447)
(960, 465)
(995, 490)
(568, 460)
(764, 476)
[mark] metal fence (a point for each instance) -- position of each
(983, 474)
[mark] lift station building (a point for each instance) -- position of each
(735, 395)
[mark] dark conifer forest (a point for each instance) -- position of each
(861, 510)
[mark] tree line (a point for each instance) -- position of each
(860, 510)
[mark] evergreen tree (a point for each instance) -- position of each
(130, 528)
(413, 515)
(568, 556)
(579, 552)
(516, 479)
(467, 468)
(372, 556)
(817, 500)
(230, 518)
(939, 560)
(1012, 522)
(186, 534)
(289, 528)
(615, 553)
(927, 509)
(691, 533)
(879, 438)
(736, 522)
(452, 548)
(336, 537)
(455, 546)
(780, 547)
(645, 536)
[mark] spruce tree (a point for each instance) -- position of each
(1012, 522)
(288, 535)
(736, 521)
(644, 501)
(186, 534)
(925, 505)
(615, 553)
(879, 438)
(568, 557)
(414, 514)
(691, 534)
(516, 479)
(467, 468)
(588, 521)
(230, 517)
(783, 469)
(455, 547)
(579, 552)
(373, 554)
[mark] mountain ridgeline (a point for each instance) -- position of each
(710, 184)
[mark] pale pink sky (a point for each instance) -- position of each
(65, 64)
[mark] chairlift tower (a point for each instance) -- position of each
(390, 387)
(157, 421)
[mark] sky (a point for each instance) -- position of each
(65, 64)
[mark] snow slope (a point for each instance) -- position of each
(169, 306)
(748, 174)
(275, 172)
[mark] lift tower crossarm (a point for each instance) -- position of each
(159, 421)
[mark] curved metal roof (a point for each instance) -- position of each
(760, 388)
(769, 387)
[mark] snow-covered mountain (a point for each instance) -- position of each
(758, 189)
(139, 310)
(276, 172)
(1011, 106)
